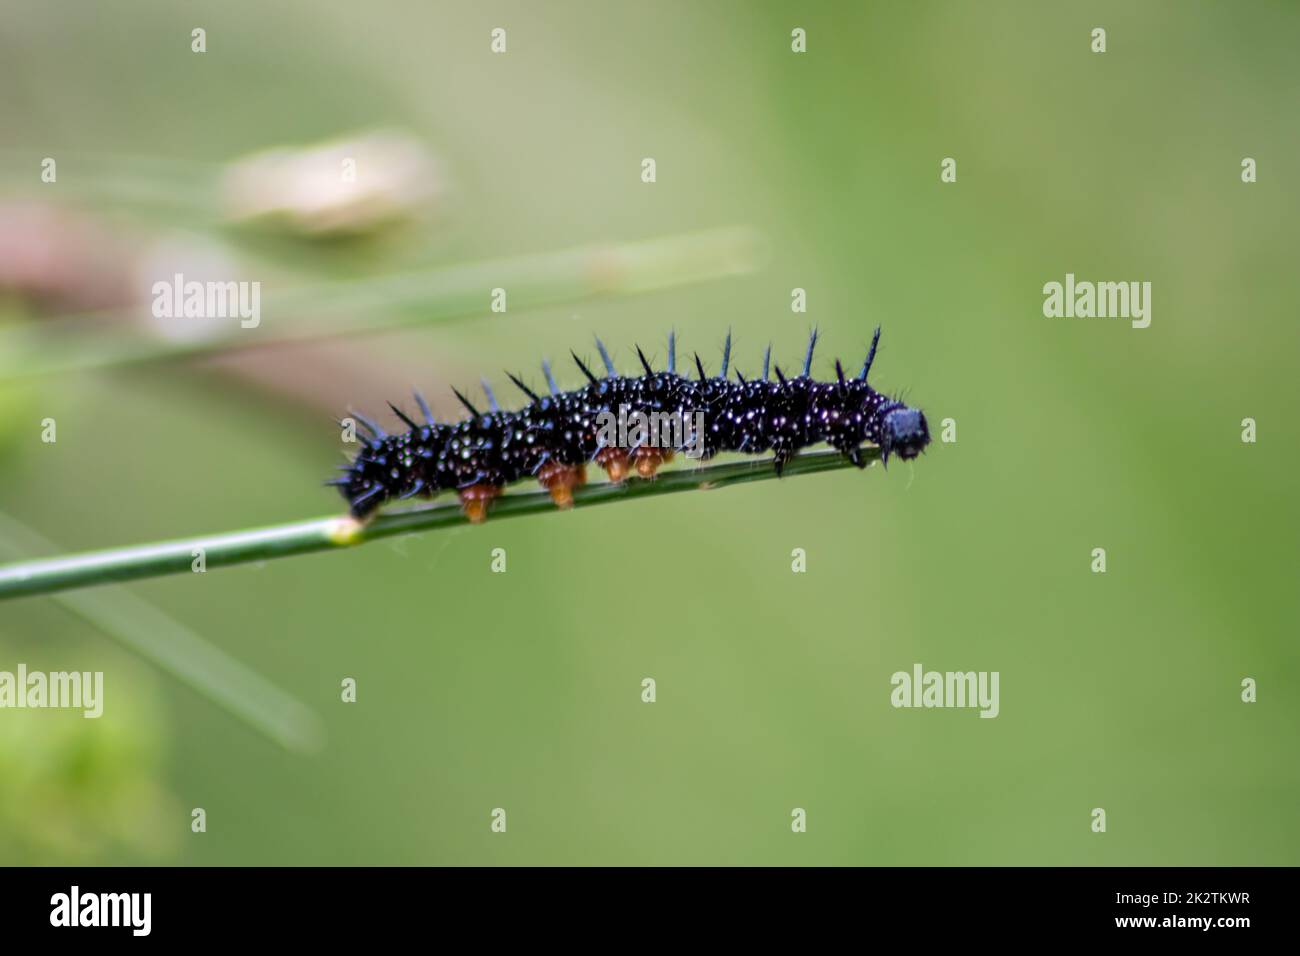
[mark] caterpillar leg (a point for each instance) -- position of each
(614, 461)
(781, 458)
(475, 499)
(560, 480)
(648, 460)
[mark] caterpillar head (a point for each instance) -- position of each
(903, 432)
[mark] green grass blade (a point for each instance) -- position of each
(180, 652)
(259, 544)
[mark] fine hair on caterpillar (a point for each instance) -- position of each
(558, 433)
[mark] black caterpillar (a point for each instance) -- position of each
(554, 436)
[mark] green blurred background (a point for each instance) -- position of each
(522, 690)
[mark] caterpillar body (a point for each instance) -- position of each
(555, 436)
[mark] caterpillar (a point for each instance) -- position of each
(555, 436)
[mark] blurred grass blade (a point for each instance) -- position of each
(127, 181)
(371, 305)
(179, 651)
(322, 534)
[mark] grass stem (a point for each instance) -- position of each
(322, 534)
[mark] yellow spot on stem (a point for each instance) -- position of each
(345, 530)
